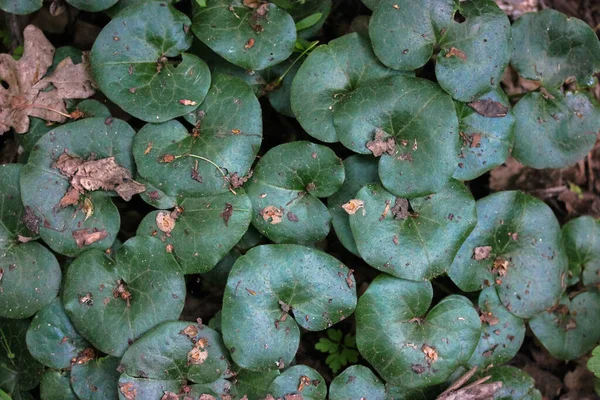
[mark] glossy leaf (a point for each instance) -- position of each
(156, 389)
(407, 343)
(267, 283)
(425, 151)
(285, 190)
(20, 7)
(517, 248)
(92, 5)
(122, 4)
(130, 60)
(355, 383)
(97, 379)
(313, 13)
(299, 380)
(96, 291)
(56, 385)
(516, 384)
(582, 243)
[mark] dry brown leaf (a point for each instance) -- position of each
(169, 396)
(353, 206)
(236, 181)
(272, 215)
(128, 390)
(430, 353)
(454, 52)
(489, 318)
(165, 222)
(85, 356)
(379, 145)
(26, 96)
(500, 266)
(190, 331)
(482, 253)
(227, 213)
(489, 108)
(85, 237)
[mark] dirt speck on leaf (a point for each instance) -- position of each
(85, 237)
(489, 108)
(227, 213)
(128, 390)
(304, 381)
(430, 353)
(482, 253)
(85, 356)
(272, 215)
(165, 222)
(400, 209)
(379, 146)
(489, 318)
(249, 44)
(500, 266)
(31, 221)
(454, 52)
(199, 353)
(236, 181)
(169, 396)
(353, 206)
(292, 217)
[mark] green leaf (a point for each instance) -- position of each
(92, 5)
(407, 344)
(571, 329)
(360, 171)
(280, 96)
(582, 243)
(486, 141)
(20, 7)
(207, 229)
(19, 371)
(285, 189)
(254, 385)
(56, 385)
(335, 335)
(550, 47)
(242, 35)
(96, 379)
(155, 389)
(519, 251)
(299, 380)
(96, 288)
(122, 4)
(502, 333)
(60, 54)
(593, 363)
(553, 130)
(350, 356)
(52, 339)
(426, 149)
(29, 273)
(325, 345)
(355, 383)
(418, 243)
(309, 21)
(318, 289)
(516, 384)
(229, 135)
(371, 4)
(328, 75)
(350, 340)
(130, 60)
(201, 3)
(43, 185)
(308, 9)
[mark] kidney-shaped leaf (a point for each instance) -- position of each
(92, 5)
(299, 380)
(411, 124)
(355, 383)
(582, 242)
(285, 190)
(112, 303)
(131, 63)
(96, 379)
(407, 344)
(416, 239)
(56, 385)
(20, 7)
(517, 248)
(268, 284)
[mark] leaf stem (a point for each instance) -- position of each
(309, 48)
(210, 162)
(9, 353)
(49, 109)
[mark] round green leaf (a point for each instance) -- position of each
(285, 189)
(156, 389)
(52, 339)
(252, 38)
(253, 385)
(360, 171)
(416, 239)
(517, 248)
(516, 384)
(328, 75)
(405, 32)
(406, 344)
(371, 4)
(582, 242)
(482, 49)
(19, 371)
(554, 130)
(130, 60)
(205, 231)
(96, 288)
(268, 283)
(228, 133)
(43, 185)
(486, 141)
(502, 333)
(20, 7)
(424, 150)
(355, 383)
(96, 379)
(92, 5)
(299, 380)
(56, 385)
(550, 47)
(571, 329)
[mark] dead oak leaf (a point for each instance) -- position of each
(489, 108)
(26, 95)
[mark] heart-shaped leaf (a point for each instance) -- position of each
(416, 239)
(391, 118)
(502, 333)
(112, 303)
(19, 371)
(254, 38)
(96, 379)
(360, 171)
(285, 189)
(29, 273)
(328, 75)
(130, 60)
(582, 242)
(92, 5)
(201, 230)
(406, 344)
(570, 329)
(487, 137)
(550, 47)
(67, 228)
(517, 248)
(516, 384)
(268, 284)
(355, 383)
(299, 380)
(224, 142)
(56, 385)
(20, 7)
(553, 130)
(52, 339)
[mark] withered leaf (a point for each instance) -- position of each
(489, 108)
(482, 253)
(26, 95)
(353, 206)
(128, 390)
(85, 237)
(236, 181)
(227, 213)
(379, 146)
(190, 331)
(430, 353)
(454, 52)
(272, 215)
(165, 222)
(489, 318)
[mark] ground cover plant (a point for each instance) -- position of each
(299, 199)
